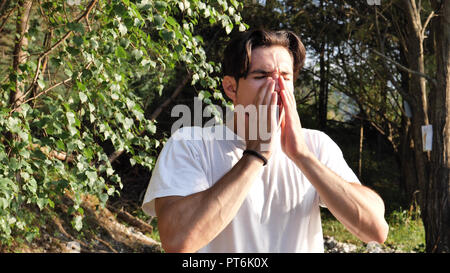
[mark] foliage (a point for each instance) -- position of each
(79, 99)
(406, 231)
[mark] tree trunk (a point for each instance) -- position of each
(417, 88)
(408, 175)
(323, 92)
(361, 141)
(437, 207)
(19, 55)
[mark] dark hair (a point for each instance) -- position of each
(237, 54)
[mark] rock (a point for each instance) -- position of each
(333, 246)
(73, 247)
(374, 247)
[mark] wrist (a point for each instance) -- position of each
(261, 148)
(252, 160)
(256, 154)
(302, 158)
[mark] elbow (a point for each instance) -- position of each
(176, 243)
(174, 247)
(380, 233)
(383, 232)
(170, 247)
(381, 227)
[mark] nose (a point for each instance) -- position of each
(276, 77)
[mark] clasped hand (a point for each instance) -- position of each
(270, 103)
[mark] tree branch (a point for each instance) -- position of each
(43, 92)
(422, 34)
(404, 68)
(158, 111)
(55, 45)
(177, 91)
(5, 18)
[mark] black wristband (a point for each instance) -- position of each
(258, 155)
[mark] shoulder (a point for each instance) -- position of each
(198, 140)
(319, 142)
(316, 136)
(187, 134)
(183, 142)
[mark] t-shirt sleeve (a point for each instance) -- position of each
(331, 156)
(329, 153)
(178, 172)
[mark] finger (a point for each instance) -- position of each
(289, 106)
(281, 116)
(284, 98)
(262, 92)
(281, 83)
(268, 92)
(291, 97)
(273, 112)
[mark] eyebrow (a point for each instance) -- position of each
(261, 71)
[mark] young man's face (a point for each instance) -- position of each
(275, 62)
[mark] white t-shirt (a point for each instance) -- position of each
(281, 211)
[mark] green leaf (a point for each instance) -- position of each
(70, 118)
(77, 27)
(114, 96)
(78, 40)
(32, 186)
(172, 21)
(103, 198)
(68, 72)
(124, 42)
(111, 190)
(137, 54)
(109, 171)
(41, 83)
(228, 28)
(122, 29)
(152, 127)
(159, 20)
(167, 35)
(128, 123)
(94, 44)
(120, 9)
(83, 97)
(73, 51)
(41, 202)
(14, 124)
(4, 203)
(120, 52)
(132, 161)
(161, 6)
(78, 222)
(92, 176)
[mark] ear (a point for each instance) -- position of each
(230, 87)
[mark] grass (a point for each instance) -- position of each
(406, 231)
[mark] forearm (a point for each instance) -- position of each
(193, 221)
(357, 207)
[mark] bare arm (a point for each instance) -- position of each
(186, 224)
(357, 207)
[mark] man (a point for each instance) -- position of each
(258, 194)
